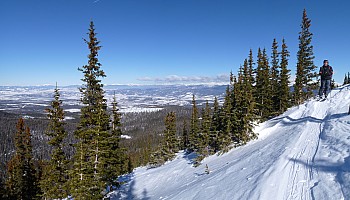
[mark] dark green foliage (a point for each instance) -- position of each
(194, 127)
(185, 136)
(169, 145)
(204, 136)
(284, 91)
(247, 105)
(275, 78)
(215, 127)
(21, 180)
(347, 79)
(306, 74)
(263, 87)
(225, 133)
(116, 161)
(55, 176)
(87, 178)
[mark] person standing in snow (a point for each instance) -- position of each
(326, 72)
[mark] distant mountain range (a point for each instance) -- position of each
(131, 98)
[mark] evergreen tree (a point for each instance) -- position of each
(247, 105)
(251, 70)
(168, 145)
(284, 91)
(275, 78)
(224, 137)
(345, 80)
(205, 132)
(194, 127)
(115, 158)
(53, 183)
(185, 136)
(306, 74)
(87, 179)
(215, 127)
(21, 175)
(263, 87)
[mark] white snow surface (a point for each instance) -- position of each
(302, 154)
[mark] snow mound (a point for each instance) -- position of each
(302, 154)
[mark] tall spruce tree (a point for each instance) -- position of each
(185, 136)
(194, 127)
(205, 131)
(21, 181)
(168, 145)
(115, 158)
(215, 127)
(55, 175)
(87, 176)
(284, 91)
(275, 78)
(345, 80)
(305, 81)
(247, 105)
(263, 87)
(224, 137)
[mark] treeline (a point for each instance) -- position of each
(259, 92)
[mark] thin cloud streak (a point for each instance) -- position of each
(187, 79)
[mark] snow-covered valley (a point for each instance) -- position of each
(302, 154)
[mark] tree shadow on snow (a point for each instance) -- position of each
(190, 157)
(126, 191)
(342, 171)
(290, 121)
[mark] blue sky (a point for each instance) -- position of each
(161, 41)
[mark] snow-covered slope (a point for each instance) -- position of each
(302, 154)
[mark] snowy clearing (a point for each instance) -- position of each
(302, 154)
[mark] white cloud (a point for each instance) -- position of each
(221, 78)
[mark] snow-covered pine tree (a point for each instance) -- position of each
(55, 173)
(305, 81)
(87, 175)
(284, 91)
(21, 180)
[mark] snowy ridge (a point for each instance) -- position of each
(302, 154)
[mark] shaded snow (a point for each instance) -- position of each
(302, 154)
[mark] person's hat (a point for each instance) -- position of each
(325, 61)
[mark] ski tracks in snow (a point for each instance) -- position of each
(293, 176)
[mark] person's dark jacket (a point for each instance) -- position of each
(326, 72)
